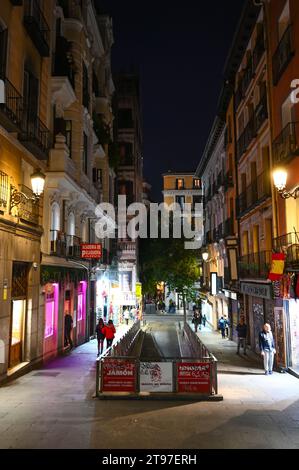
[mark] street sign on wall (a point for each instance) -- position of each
(91, 250)
(156, 377)
(193, 377)
(118, 375)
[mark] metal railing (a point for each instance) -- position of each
(258, 50)
(229, 227)
(28, 209)
(254, 194)
(285, 146)
(13, 106)
(261, 112)
(255, 265)
(288, 244)
(246, 137)
(37, 26)
(283, 54)
(35, 133)
(58, 243)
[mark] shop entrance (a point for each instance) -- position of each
(18, 313)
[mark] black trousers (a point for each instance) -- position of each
(109, 343)
(67, 338)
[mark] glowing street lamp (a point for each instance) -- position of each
(280, 181)
(205, 256)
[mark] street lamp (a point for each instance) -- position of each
(37, 184)
(205, 256)
(280, 181)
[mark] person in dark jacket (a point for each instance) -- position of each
(242, 334)
(204, 320)
(267, 348)
(221, 326)
(68, 325)
(109, 331)
(196, 320)
(100, 335)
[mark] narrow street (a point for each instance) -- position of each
(54, 408)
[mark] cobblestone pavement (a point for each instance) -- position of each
(53, 408)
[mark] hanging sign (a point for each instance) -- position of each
(193, 377)
(156, 377)
(91, 250)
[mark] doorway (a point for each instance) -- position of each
(18, 313)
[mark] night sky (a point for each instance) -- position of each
(180, 52)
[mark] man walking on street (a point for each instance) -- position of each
(242, 334)
(221, 326)
(68, 325)
(267, 348)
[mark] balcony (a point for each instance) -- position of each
(246, 137)
(283, 55)
(220, 180)
(244, 84)
(228, 180)
(285, 146)
(28, 210)
(63, 62)
(73, 245)
(255, 265)
(288, 244)
(256, 193)
(37, 27)
(126, 251)
(258, 50)
(36, 137)
(4, 191)
(229, 227)
(261, 112)
(58, 243)
(11, 111)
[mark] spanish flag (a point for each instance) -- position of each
(277, 266)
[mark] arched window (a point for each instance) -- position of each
(71, 224)
(55, 220)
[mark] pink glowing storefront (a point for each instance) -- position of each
(81, 312)
(51, 320)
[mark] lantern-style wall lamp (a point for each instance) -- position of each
(37, 185)
(280, 181)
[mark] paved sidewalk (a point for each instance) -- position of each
(53, 408)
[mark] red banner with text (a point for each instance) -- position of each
(193, 377)
(118, 375)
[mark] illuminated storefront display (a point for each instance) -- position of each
(81, 309)
(52, 294)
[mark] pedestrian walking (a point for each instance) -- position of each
(204, 320)
(195, 320)
(227, 325)
(100, 335)
(109, 331)
(221, 326)
(267, 348)
(242, 334)
(126, 316)
(199, 319)
(68, 325)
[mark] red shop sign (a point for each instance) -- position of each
(118, 375)
(91, 250)
(193, 377)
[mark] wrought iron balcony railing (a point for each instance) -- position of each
(58, 243)
(11, 111)
(286, 146)
(229, 227)
(288, 244)
(258, 50)
(255, 193)
(246, 137)
(35, 136)
(255, 265)
(283, 54)
(37, 27)
(261, 113)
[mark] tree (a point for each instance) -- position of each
(167, 260)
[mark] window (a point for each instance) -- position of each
(180, 183)
(196, 183)
(126, 154)
(96, 175)
(30, 94)
(55, 221)
(125, 118)
(85, 90)
(284, 20)
(85, 154)
(3, 51)
(68, 135)
(180, 200)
